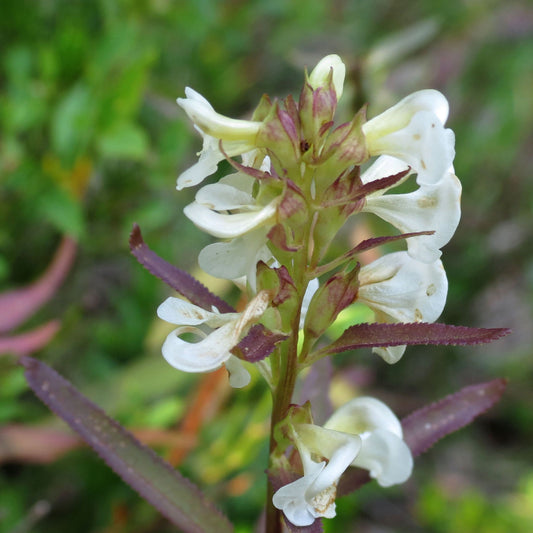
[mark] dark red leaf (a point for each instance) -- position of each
(167, 490)
(372, 335)
(19, 304)
(425, 427)
(258, 344)
(176, 278)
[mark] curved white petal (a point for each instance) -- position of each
(424, 144)
(386, 457)
(430, 208)
(207, 164)
(228, 226)
(364, 414)
(320, 73)
(399, 115)
(201, 112)
(223, 197)
(239, 377)
(400, 289)
(203, 356)
(291, 497)
(183, 313)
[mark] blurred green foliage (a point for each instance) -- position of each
(91, 141)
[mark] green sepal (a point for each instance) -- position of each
(279, 136)
(329, 300)
(345, 147)
(284, 430)
(285, 300)
(335, 210)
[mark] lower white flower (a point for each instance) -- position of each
(364, 433)
(400, 289)
(225, 332)
(429, 208)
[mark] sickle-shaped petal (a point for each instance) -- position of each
(201, 112)
(183, 313)
(430, 208)
(229, 226)
(399, 115)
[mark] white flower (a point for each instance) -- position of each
(430, 208)
(383, 453)
(237, 137)
(364, 433)
(400, 289)
(228, 210)
(413, 131)
(226, 330)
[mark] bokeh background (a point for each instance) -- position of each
(92, 141)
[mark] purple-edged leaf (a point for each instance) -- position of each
(372, 335)
(426, 426)
(30, 341)
(363, 246)
(382, 183)
(171, 494)
(258, 344)
(364, 190)
(19, 304)
(374, 242)
(176, 278)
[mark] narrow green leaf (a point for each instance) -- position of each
(167, 490)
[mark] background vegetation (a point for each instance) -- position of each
(92, 141)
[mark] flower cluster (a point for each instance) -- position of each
(300, 178)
